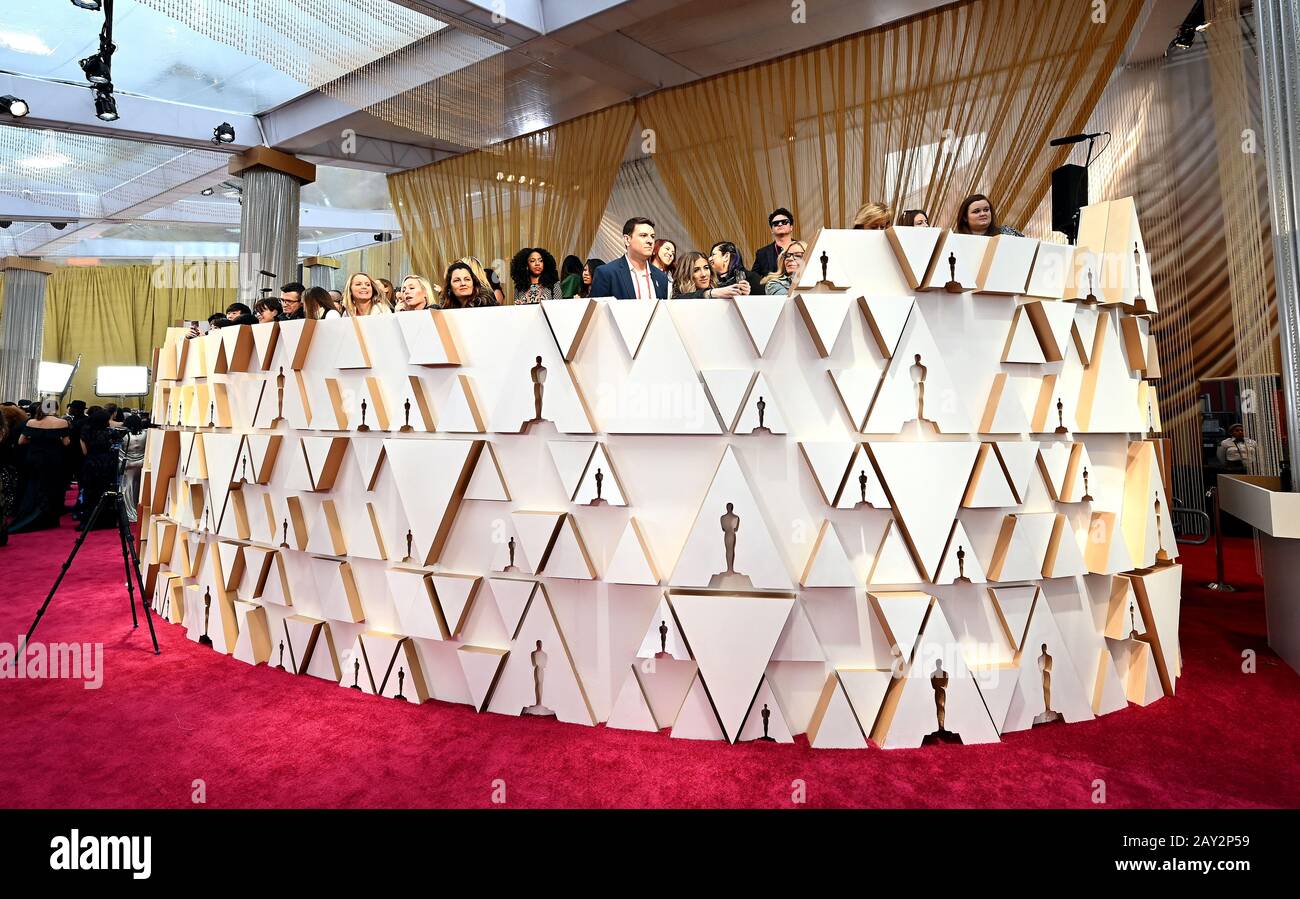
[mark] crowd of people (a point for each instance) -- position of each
(42, 454)
(651, 268)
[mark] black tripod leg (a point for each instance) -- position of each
(81, 538)
(134, 568)
(124, 537)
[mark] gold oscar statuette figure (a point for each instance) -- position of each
(406, 427)
(538, 658)
(862, 489)
(919, 372)
(207, 612)
(600, 481)
(363, 426)
(730, 578)
(538, 375)
(279, 398)
(961, 565)
(1162, 557)
(1091, 297)
(1087, 497)
(212, 414)
(1045, 670)
(284, 540)
(281, 665)
(939, 683)
(356, 673)
(1139, 303)
(663, 640)
(409, 538)
(1060, 417)
(953, 285)
(511, 547)
(762, 414)
(401, 678)
(767, 718)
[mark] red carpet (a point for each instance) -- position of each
(259, 738)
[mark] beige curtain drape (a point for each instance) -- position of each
(544, 189)
(116, 315)
(917, 114)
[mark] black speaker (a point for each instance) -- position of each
(1069, 195)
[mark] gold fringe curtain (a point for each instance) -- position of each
(917, 114)
(116, 315)
(544, 189)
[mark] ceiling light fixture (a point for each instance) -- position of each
(4, 225)
(92, 5)
(58, 226)
(105, 105)
(208, 191)
(98, 67)
(14, 106)
(223, 134)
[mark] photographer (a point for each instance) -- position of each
(99, 471)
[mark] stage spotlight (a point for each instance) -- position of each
(223, 134)
(97, 68)
(4, 225)
(92, 5)
(207, 191)
(14, 106)
(58, 226)
(105, 105)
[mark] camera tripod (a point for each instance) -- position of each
(113, 496)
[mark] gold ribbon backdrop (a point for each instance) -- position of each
(917, 114)
(544, 189)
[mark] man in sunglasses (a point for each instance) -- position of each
(781, 221)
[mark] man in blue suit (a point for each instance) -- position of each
(632, 277)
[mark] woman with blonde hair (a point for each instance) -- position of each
(416, 294)
(788, 264)
(872, 217)
(363, 296)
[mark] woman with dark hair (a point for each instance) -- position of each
(318, 303)
(267, 309)
(977, 216)
(665, 252)
(99, 471)
(914, 218)
(43, 438)
(570, 276)
(535, 275)
(132, 450)
(588, 273)
(461, 288)
(725, 259)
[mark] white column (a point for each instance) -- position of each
(268, 219)
(318, 271)
(22, 327)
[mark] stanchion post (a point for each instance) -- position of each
(1218, 584)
